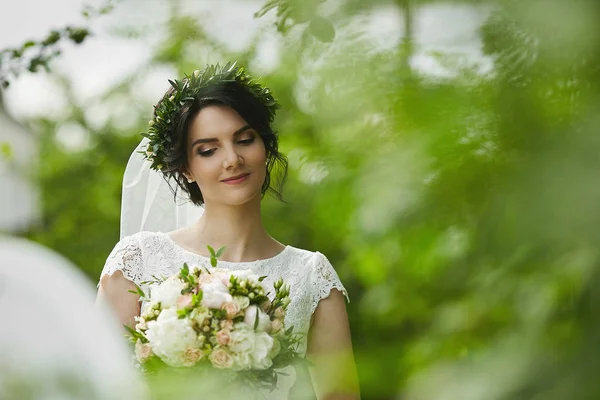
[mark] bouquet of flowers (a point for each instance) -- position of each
(217, 319)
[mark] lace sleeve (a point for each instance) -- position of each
(127, 258)
(324, 279)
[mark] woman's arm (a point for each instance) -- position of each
(114, 291)
(330, 350)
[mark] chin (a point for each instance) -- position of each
(238, 199)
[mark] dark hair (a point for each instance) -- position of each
(252, 110)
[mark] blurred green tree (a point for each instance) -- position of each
(460, 211)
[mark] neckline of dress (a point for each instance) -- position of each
(176, 245)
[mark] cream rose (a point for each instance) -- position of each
(226, 324)
(220, 358)
(191, 356)
(184, 301)
(223, 337)
(231, 309)
(143, 351)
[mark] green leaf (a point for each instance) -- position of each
(130, 329)
(185, 270)
(211, 250)
(52, 38)
(138, 291)
(220, 252)
(262, 278)
(197, 298)
(256, 320)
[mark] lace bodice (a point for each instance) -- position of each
(309, 275)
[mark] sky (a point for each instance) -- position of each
(106, 58)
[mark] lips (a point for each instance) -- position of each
(235, 178)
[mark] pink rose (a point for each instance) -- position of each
(220, 358)
(184, 301)
(276, 325)
(231, 309)
(228, 325)
(280, 313)
(223, 337)
(143, 351)
(192, 356)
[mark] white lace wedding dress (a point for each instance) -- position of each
(310, 276)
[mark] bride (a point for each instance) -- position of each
(211, 136)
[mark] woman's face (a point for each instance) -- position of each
(221, 146)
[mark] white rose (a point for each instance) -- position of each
(245, 274)
(241, 301)
(215, 294)
(170, 336)
(264, 322)
(263, 343)
(167, 292)
(242, 340)
(241, 361)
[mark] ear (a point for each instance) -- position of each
(187, 175)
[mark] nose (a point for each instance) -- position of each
(232, 159)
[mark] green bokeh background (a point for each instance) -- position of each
(461, 212)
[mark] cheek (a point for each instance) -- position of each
(258, 155)
(203, 169)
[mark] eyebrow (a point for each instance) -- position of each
(211, 140)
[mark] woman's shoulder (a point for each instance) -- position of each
(143, 239)
(305, 256)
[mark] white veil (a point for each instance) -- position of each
(148, 203)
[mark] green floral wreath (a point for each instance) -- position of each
(187, 90)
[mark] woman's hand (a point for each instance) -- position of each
(330, 350)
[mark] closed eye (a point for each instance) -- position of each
(246, 141)
(206, 153)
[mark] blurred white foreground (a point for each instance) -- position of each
(54, 342)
